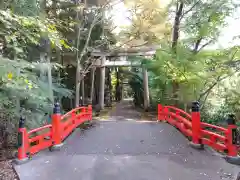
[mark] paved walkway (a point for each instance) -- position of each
(125, 148)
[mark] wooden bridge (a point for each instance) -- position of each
(126, 146)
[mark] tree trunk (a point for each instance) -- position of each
(79, 68)
(77, 92)
(42, 60)
(102, 83)
(117, 91)
(50, 87)
(83, 91)
(58, 52)
(92, 83)
(177, 19)
(108, 88)
(179, 11)
(18, 74)
(110, 85)
(46, 48)
(145, 89)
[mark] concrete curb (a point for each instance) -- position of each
(196, 146)
(56, 147)
(233, 160)
(19, 162)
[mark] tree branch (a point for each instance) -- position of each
(205, 99)
(231, 62)
(186, 12)
(204, 45)
(209, 88)
(198, 42)
(219, 79)
(195, 50)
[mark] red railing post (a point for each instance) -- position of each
(196, 125)
(232, 156)
(160, 112)
(56, 127)
(90, 112)
(73, 116)
(165, 115)
(23, 143)
(232, 136)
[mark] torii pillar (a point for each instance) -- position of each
(146, 89)
(102, 83)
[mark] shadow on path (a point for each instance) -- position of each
(127, 149)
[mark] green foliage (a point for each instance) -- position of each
(25, 86)
(206, 19)
(25, 7)
(22, 92)
(18, 32)
(193, 72)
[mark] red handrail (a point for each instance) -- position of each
(61, 127)
(40, 141)
(209, 133)
(183, 123)
(72, 120)
(72, 111)
(191, 126)
(39, 129)
(180, 110)
(218, 128)
(181, 119)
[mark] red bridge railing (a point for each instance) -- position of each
(51, 135)
(200, 133)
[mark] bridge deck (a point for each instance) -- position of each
(127, 148)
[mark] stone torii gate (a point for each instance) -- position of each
(120, 58)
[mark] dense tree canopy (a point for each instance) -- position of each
(184, 69)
